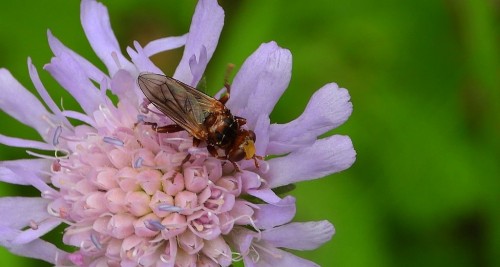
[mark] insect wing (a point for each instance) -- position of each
(185, 105)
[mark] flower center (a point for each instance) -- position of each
(136, 192)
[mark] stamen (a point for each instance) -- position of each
(49, 194)
(79, 116)
(251, 223)
(33, 225)
(141, 118)
(168, 207)
(163, 258)
(170, 139)
(62, 104)
(113, 141)
(199, 227)
(96, 242)
(38, 155)
(256, 257)
(56, 166)
(154, 225)
(138, 163)
(57, 133)
(238, 256)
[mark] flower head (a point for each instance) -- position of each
(132, 196)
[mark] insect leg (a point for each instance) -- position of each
(179, 168)
(225, 97)
(196, 142)
(213, 152)
(236, 167)
(241, 121)
(172, 128)
(186, 159)
(211, 149)
(255, 158)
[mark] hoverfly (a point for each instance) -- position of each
(204, 117)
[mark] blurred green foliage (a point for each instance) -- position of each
(424, 78)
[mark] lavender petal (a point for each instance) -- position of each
(22, 105)
(300, 236)
(18, 142)
(260, 82)
(205, 30)
(326, 156)
(265, 194)
(271, 215)
(29, 235)
(88, 68)
(68, 73)
(37, 249)
(95, 21)
(328, 108)
(8, 170)
(270, 256)
(141, 60)
(242, 238)
(33, 209)
(164, 44)
(44, 94)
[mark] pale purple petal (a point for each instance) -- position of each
(197, 64)
(300, 236)
(328, 108)
(37, 249)
(271, 215)
(141, 60)
(26, 177)
(260, 82)
(30, 177)
(44, 94)
(204, 33)
(69, 74)
(22, 105)
(242, 238)
(164, 44)
(42, 228)
(269, 256)
(18, 142)
(262, 132)
(31, 165)
(326, 156)
(124, 86)
(90, 70)
(95, 21)
(265, 194)
(33, 209)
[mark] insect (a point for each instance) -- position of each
(204, 117)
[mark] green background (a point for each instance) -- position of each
(424, 80)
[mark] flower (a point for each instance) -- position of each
(130, 196)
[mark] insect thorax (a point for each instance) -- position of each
(222, 128)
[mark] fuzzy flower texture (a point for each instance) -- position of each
(122, 190)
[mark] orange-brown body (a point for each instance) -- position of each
(205, 118)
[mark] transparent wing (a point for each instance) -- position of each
(182, 103)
